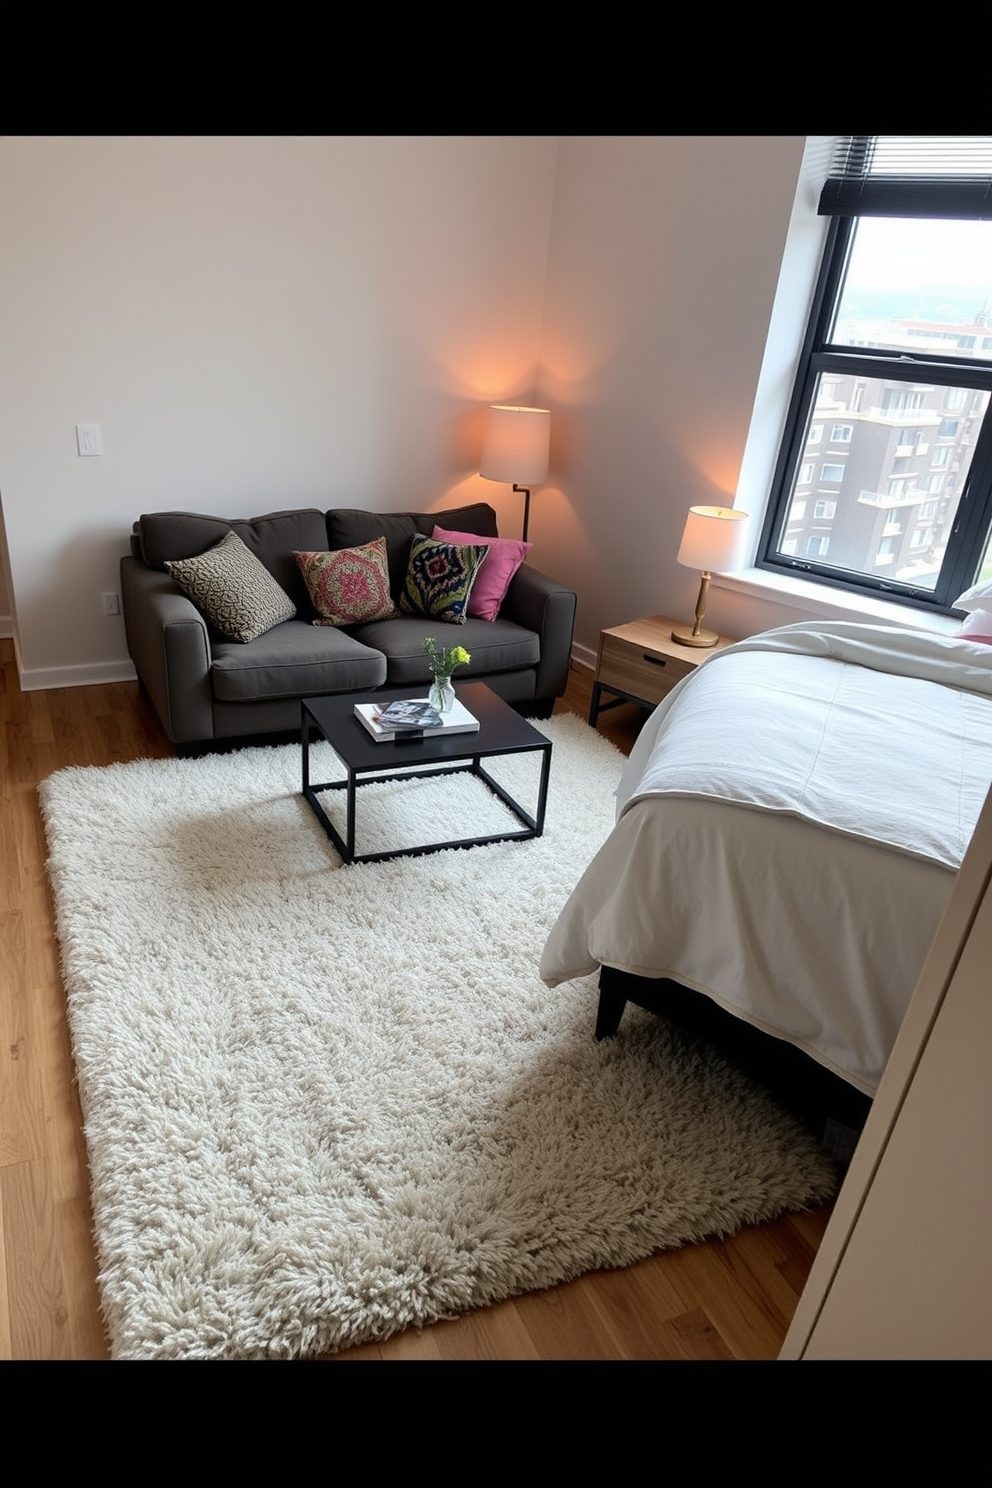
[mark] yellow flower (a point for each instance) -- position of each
(443, 660)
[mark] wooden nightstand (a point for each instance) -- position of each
(639, 663)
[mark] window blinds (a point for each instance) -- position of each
(910, 175)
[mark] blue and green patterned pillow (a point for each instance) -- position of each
(439, 579)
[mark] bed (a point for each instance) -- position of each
(789, 826)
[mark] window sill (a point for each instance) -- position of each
(822, 603)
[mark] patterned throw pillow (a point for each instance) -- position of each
(234, 589)
(350, 585)
(439, 579)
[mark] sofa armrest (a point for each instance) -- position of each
(168, 642)
(540, 603)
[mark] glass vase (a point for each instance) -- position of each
(442, 694)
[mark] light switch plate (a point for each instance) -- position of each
(89, 439)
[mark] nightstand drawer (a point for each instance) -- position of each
(640, 670)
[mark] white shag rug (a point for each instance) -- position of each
(323, 1104)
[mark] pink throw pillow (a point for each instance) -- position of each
(502, 561)
(977, 627)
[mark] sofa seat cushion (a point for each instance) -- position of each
(294, 660)
(494, 646)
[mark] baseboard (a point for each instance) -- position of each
(583, 656)
(6, 627)
(40, 679)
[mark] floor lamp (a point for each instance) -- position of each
(516, 449)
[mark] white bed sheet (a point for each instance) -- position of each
(807, 918)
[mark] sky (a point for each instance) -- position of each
(892, 253)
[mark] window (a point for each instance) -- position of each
(824, 511)
(897, 367)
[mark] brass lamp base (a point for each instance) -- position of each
(686, 637)
(696, 635)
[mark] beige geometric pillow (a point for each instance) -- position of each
(234, 589)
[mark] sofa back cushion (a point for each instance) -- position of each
(274, 538)
(351, 528)
(166, 536)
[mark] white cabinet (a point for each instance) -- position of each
(905, 1267)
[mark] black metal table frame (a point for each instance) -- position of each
(468, 762)
(619, 697)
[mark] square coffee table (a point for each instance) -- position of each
(501, 731)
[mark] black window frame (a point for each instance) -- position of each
(914, 197)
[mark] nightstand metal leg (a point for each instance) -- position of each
(594, 704)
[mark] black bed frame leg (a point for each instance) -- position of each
(611, 1005)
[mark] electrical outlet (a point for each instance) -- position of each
(111, 604)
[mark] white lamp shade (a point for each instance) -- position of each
(713, 539)
(516, 445)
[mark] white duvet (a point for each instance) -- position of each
(788, 828)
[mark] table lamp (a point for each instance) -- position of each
(516, 449)
(712, 540)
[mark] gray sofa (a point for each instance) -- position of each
(206, 688)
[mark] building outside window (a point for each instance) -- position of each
(896, 368)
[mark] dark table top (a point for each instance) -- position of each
(501, 730)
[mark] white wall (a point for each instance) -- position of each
(662, 275)
(254, 323)
(268, 322)
(6, 618)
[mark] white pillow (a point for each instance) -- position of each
(978, 597)
(978, 624)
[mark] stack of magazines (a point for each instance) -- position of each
(413, 718)
(410, 713)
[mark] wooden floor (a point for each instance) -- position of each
(730, 1299)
